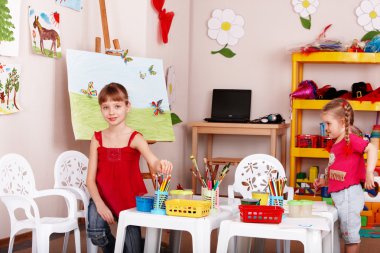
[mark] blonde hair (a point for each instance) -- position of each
(341, 109)
(114, 92)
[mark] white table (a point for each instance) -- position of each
(199, 228)
(315, 241)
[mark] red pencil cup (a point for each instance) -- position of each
(212, 196)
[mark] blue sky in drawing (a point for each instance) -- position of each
(101, 69)
(72, 4)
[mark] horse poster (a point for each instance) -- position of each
(44, 31)
(9, 27)
(72, 4)
(144, 80)
(9, 88)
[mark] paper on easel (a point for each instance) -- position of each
(315, 222)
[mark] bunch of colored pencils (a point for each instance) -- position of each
(163, 182)
(210, 180)
(277, 186)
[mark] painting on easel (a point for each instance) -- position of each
(72, 4)
(44, 31)
(144, 80)
(9, 88)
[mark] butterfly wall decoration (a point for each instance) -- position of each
(125, 57)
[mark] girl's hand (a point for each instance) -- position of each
(166, 167)
(369, 181)
(105, 213)
(319, 182)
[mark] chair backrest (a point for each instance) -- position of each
(16, 176)
(70, 169)
(253, 173)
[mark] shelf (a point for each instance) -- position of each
(337, 57)
(314, 153)
(312, 104)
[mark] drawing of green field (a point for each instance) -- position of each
(87, 118)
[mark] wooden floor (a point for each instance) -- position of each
(367, 245)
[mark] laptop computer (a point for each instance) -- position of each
(230, 105)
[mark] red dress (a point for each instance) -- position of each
(118, 176)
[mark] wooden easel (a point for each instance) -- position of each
(108, 50)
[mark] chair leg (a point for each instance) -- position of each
(11, 241)
(65, 242)
(77, 240)
(34, 241)
(175, 241)
(91, 248)
(43, 241)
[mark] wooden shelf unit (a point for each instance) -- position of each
(299, 105)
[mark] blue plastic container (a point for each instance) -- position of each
(144, 203)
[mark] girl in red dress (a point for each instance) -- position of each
(114, 178)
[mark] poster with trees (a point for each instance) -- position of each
(9, 88)
(9, 27)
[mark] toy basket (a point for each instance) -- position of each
(144, 203)
(261, 214)
(159, 202)
(307, 141)
(187, 208)
(325, 141)
(276, 200)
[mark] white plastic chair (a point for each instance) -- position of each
(70, 173)
(252, 174)
(18, 191)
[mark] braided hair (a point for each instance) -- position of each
(342, 109)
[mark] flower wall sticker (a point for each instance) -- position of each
(305, 8)
(368, 14)
(226, 28)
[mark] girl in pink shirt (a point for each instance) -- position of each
(346, 169)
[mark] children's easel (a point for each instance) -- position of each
(116, 52)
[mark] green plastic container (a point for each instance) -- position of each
(254, 202)
(300, 208)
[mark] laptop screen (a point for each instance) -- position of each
(231, 103)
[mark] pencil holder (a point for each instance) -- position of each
(159, 202)
(212, 196)
(276, 200)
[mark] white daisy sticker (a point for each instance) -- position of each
(368, 14)
(226, 28)
(304, 8)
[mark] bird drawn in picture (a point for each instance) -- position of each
(90, 92)
(125, 57)
(151, 71)
(157, 107)
(142, 75)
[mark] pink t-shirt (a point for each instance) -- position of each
(344, 169)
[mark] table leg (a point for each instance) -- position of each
(152, 240)
(314, 241)
(283, 149)
(120, 236)
(273, 142)
(175, 241)
(194, 152)
(210, 140)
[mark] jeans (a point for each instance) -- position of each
(100, 234)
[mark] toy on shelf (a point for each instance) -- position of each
(305, 185)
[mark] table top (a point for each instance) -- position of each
(238, 125)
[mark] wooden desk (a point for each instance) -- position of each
(272, 130)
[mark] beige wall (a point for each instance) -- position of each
(43, 129)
